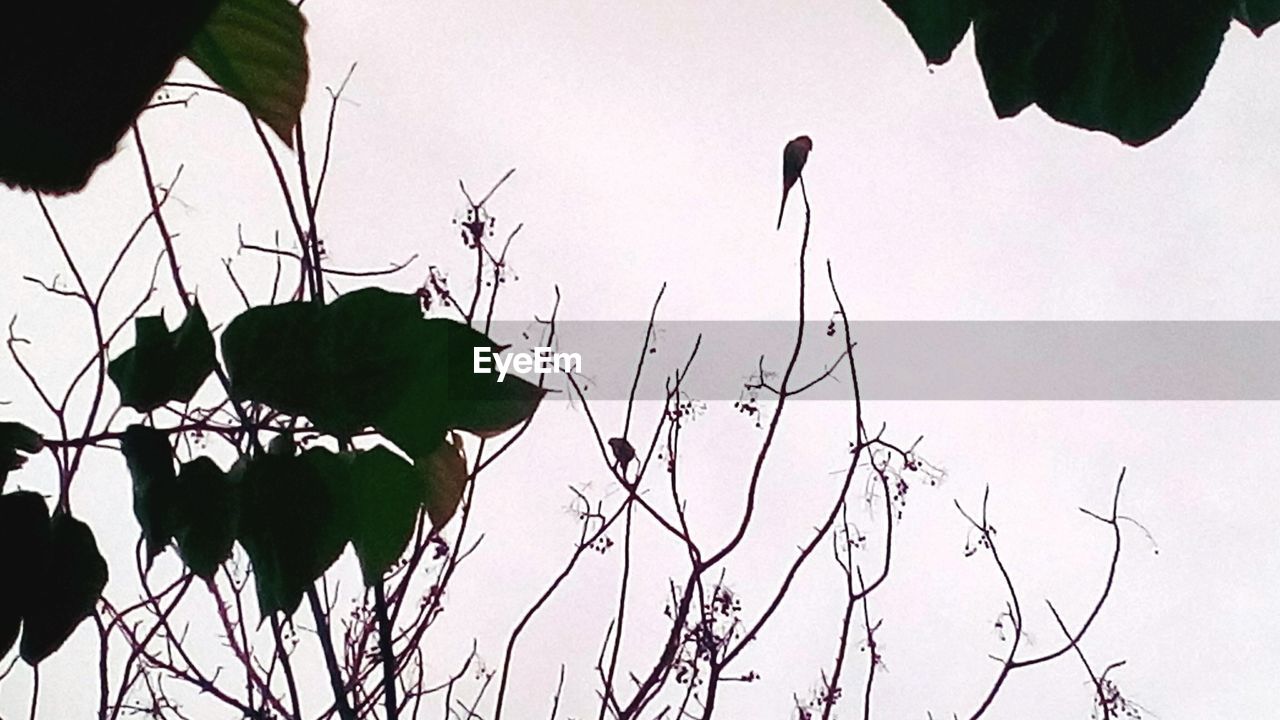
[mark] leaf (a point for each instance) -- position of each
(370, 352)
(289, 525)
(1007, 41)
(937, 26)
(164, 366)
(193, 355)
(14, 438)
(383, 497)
(24, 547)
(1131, 68)
(445, 472)
(269, 352)
(477, 402)
(74, 75)
(66, 591)
(1258, 15)
(370, 359)
(254, 49)
(445, 392)
(205, 518)
(150, 459)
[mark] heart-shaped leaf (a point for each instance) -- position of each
(150, 460)
(290, 525)
(383, 498)
(254, 50)
(164, 366)
(24, 549)
(206, 515)
(66, 590)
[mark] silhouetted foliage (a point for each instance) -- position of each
(75, 75)
(1130, 68)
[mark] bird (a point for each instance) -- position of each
(793, 158)
(623, 453)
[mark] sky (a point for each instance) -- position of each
(646, 139)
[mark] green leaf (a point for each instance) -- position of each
(1007, 41)
(74, 75)
(206, 514)
(14, 438)
(15, 435)
(369, 354)
(937, 26)
(150, 459)
(445, 472)
(477, 402)
(193, 355)
(66, 591)
(269, 352)
(289, 524)
(370, 359)
(254, 49)
(1258, 15)
(445, 393)
(1131, 68)
(24, 548)
(164, 366)
(383, 498)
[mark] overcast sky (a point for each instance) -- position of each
(647, 141)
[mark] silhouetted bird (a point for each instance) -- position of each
(793, 157)
(623, 453)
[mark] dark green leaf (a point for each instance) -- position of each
(205, 522)
(67, 590)
(1131, 68)
(937, 26)
(193, 355)
(371, 360)
(478, 402)
(163, 366)
(447, 394)
(24, 547)
(74, 75)
(334, 473)
(254, 50)
(1258, 15)
(1007, 41)
(383, 498)
(289, 525)
(270, 351)
(15, 438)
(370, 353)
(138, 373)
(150, 459)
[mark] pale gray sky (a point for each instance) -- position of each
(647, 138)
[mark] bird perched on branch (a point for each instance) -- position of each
(793, 158)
